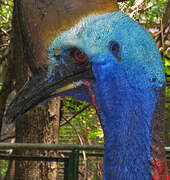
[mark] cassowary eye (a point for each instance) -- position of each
(78, 55)
(115, 49)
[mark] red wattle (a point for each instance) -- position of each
(93, 98)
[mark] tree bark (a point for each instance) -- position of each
(40, 125)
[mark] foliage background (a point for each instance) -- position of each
(84, 127)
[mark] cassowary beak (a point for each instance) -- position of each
(46, 85)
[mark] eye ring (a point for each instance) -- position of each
(79, 55)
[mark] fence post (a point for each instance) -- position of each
(73, 164)
(66, 169)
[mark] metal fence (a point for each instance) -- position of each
(73, 161)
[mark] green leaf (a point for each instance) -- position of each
(1, 87)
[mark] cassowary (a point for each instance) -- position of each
(98, 54)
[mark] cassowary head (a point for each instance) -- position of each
(111, 57)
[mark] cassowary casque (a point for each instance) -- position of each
(97, 54)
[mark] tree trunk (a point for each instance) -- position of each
(39, 125)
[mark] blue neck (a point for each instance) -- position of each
(127, 113)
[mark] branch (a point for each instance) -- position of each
(4, 45)
(4, 56)
(121, 0)
(4, 139)
(166, 15)
(77, 113)
(8, 85)
(164, 27)
(26, 41)
(165, 56)
(81, 142)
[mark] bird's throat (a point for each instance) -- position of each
(127, 139)
(126, 113)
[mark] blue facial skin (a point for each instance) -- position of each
(126, 88)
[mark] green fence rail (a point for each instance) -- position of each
(72, 152)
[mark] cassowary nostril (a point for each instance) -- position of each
(20, 99)
(4, 119)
